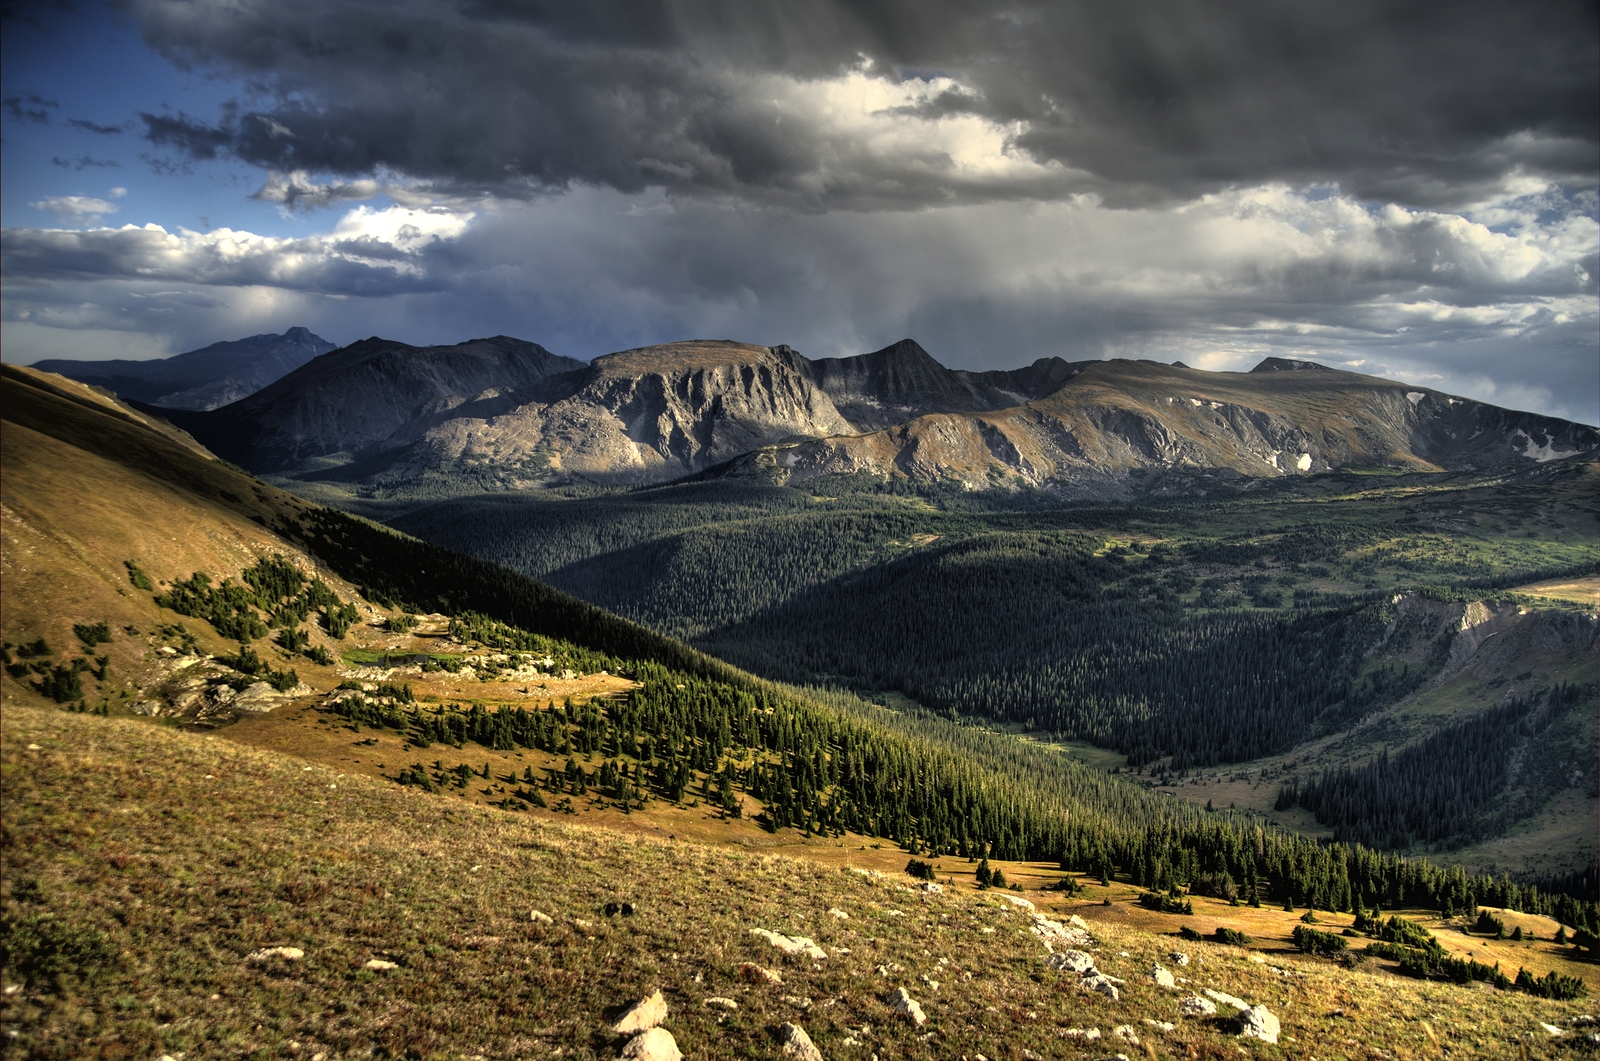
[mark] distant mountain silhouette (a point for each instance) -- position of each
(203, 379)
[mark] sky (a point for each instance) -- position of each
(1402, 189)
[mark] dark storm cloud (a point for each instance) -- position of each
(1428, 103)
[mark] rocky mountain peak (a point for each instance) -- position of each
(1288, 364)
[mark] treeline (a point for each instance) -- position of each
(1090, 647)
(1448, 789)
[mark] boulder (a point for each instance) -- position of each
(378, 965)
(795, 946)
(1071, 961)
(1102, 983)
(1017, 901)
(797, 1044)
(904, 1005)
(267, 954)
(539, 917)
(1125, 1033)
(932, 888)
(1163, 977)
(834, 911)
(1177, 957)
(757, 975)
(1054, 932)
(657, 1044)
(642, 1015)
(1226, 999)
(721, 1003)
(1195, 1006)
(1161, 1026)
(1259, 1023)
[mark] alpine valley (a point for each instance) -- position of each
(444, 701)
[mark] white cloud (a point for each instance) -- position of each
(79, 209)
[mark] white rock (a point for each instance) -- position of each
(1101, 983)
(1053, 932)
(1195, 1006)
(35, 748)
(834, 911)
(1081, 1033)
(288, 954)
(802, 946)
(932, 888)
(1126, 1034)
(799, 1002)
(657, 1044)
(1160, 1025)
(1226, 999)
(539, 917)
(643, 1015)
(1163, 977)
(1017, 901)
(1177, 957)
(1551, 1028)
(904, 1005)
(378, 965)
(1259, 1023)
(721, 1003)
(797, 1044)
(1072, 961)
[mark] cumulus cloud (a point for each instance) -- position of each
(897, 104)
(298, 191)
(79, 208)
(369, 252)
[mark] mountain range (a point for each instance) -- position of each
(203, 379)
(380, 410)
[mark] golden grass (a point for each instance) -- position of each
(176, 855)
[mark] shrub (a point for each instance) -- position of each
(92, 634)
(1187, 933)
(1231, 936)
(1311, 941)
(920, 870)
(139, 579)
(1166, 904)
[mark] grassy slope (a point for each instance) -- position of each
(168, 857)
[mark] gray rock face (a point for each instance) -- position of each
(1103, 984)
(1163, 977)
(1196, 1006)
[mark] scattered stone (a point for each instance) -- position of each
(1195, 1006)
(1161, 1026)
(1259, 1023)
(657, 1044)
(1126, 1034)
(1091, 1034)
(757, 975)
(288, 954)
(378, 965)
(35, 748)
(539, 917)
(1177, 957)
(932, 888)
(721, 1003)
(1072, 961)
(834, 911)
(1163, 977)
(1551, 1028)
(798, 1002)
(792, 945)
(1102, 983)
(905, 1006)
(1031, 1055)
(644, 1015)
(1226, 999)
(1053, 932)
(797, 1044)
(1017, 901)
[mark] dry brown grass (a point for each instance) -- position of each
(180, 854)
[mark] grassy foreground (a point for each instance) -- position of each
(141, 865)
